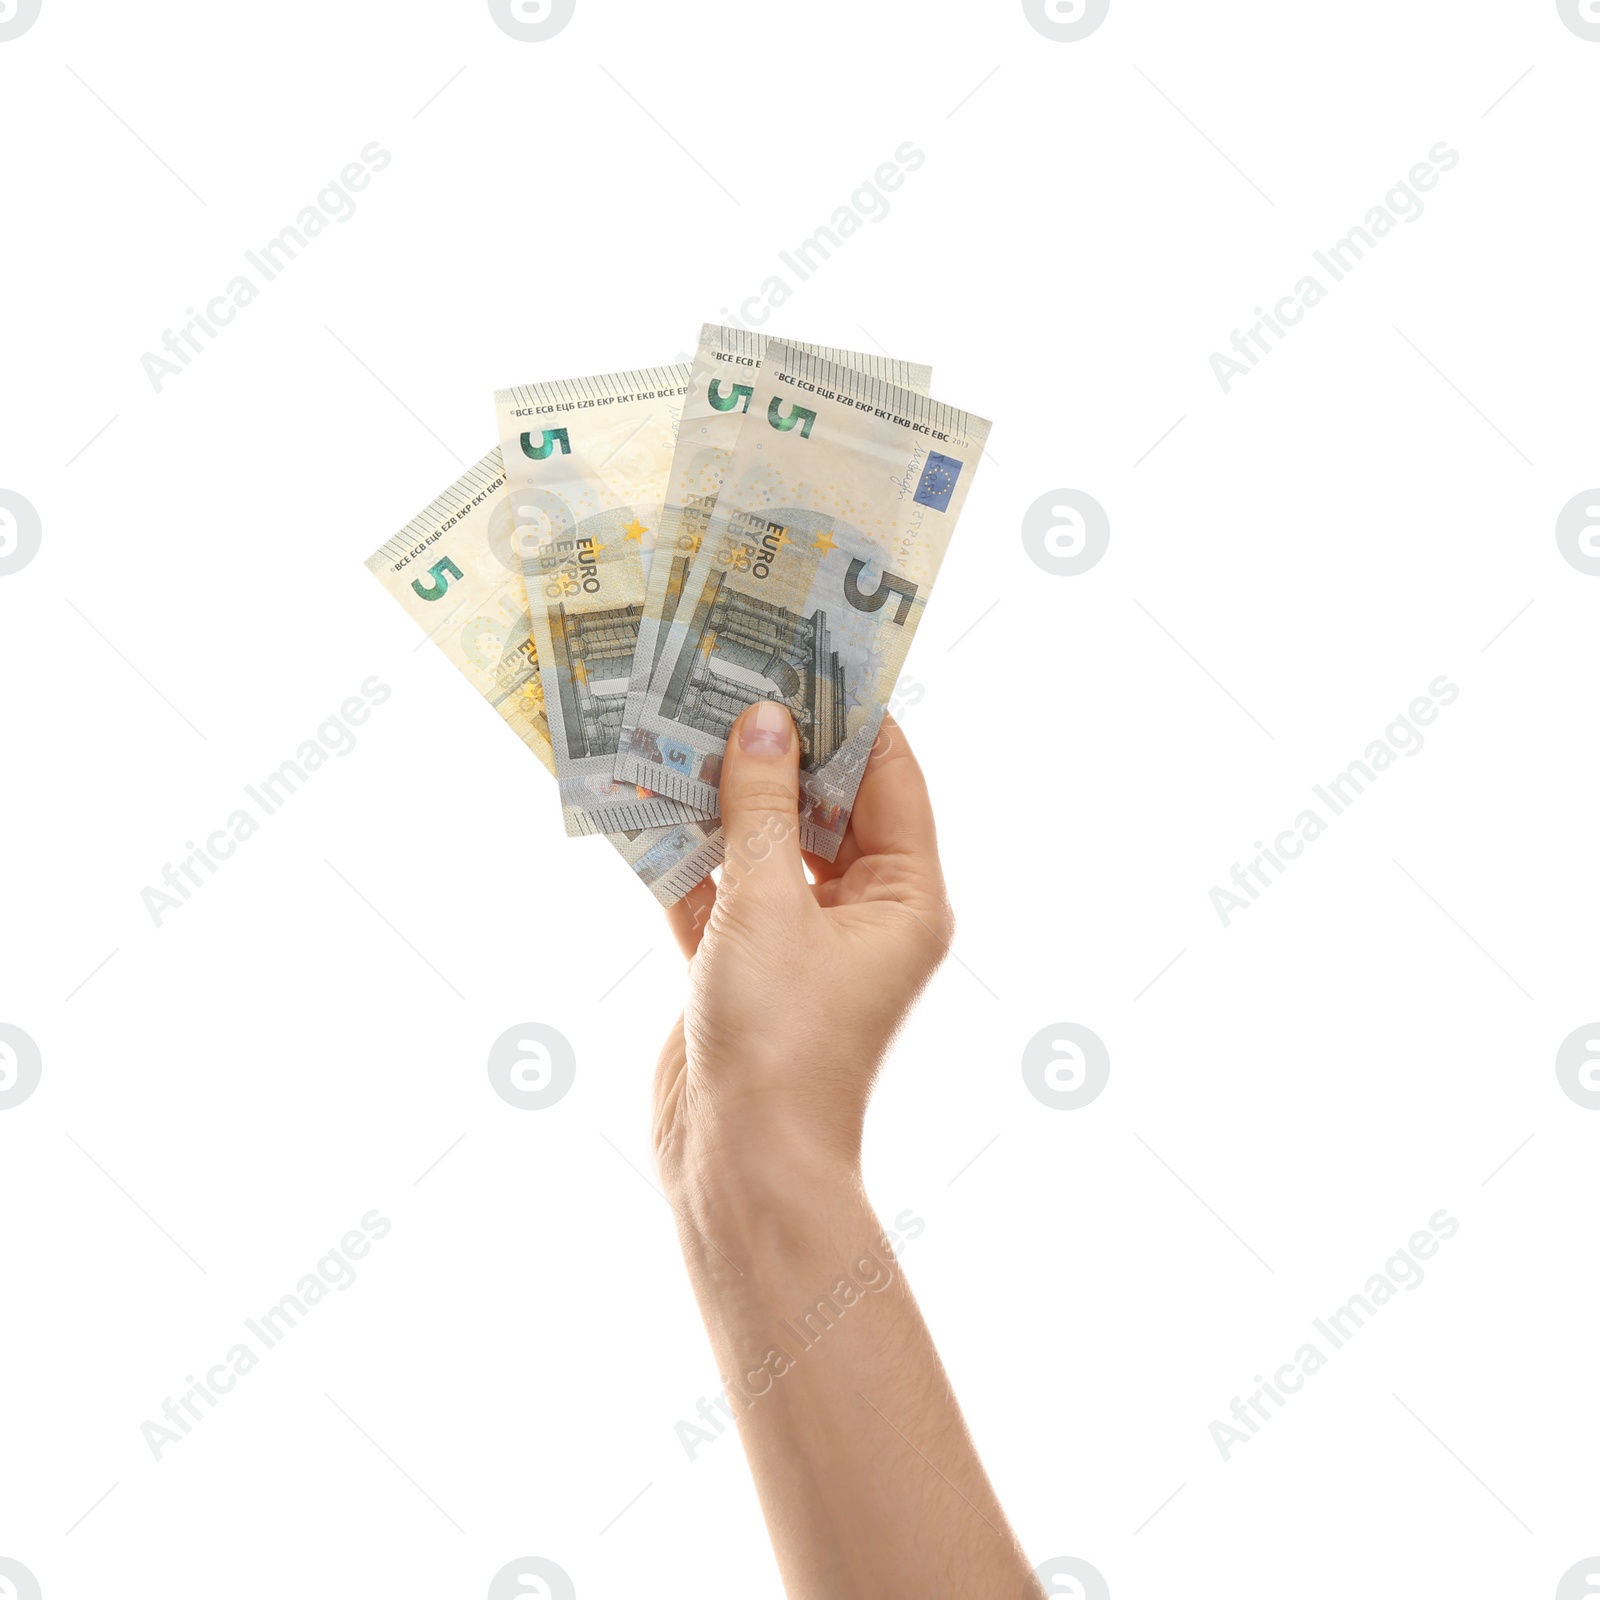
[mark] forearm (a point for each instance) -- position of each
(868, 1479)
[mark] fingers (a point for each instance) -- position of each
(892, 815)
(687, 917)
(760, 805)
(821, 869)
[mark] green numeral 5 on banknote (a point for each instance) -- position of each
(797, 413)
(438, 571)
(548, 440)
(738, 395)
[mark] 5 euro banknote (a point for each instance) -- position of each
(454, 572)
(586, 472)
(721, 383)
(834, 514)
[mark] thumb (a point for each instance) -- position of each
(760, 804)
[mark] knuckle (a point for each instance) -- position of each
(758, 795)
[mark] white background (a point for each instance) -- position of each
(1293, 563)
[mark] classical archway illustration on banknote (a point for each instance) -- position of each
(738, 650)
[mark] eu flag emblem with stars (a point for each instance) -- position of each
(938, 481)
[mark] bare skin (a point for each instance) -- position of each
(868, 1478)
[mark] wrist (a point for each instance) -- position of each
(759, 1252)
(763, 1142)
(742, 1197)
(750, 1171)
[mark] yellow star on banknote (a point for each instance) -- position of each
(708, 643)
(635, 531)
(580, 671)
(825, 543)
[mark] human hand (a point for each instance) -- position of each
(796, 989)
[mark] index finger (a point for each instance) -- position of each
(893, 815)
(688, 917)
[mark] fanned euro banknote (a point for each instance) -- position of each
(454, 570)
(818, 558)
(721, 382)
(586, 473)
